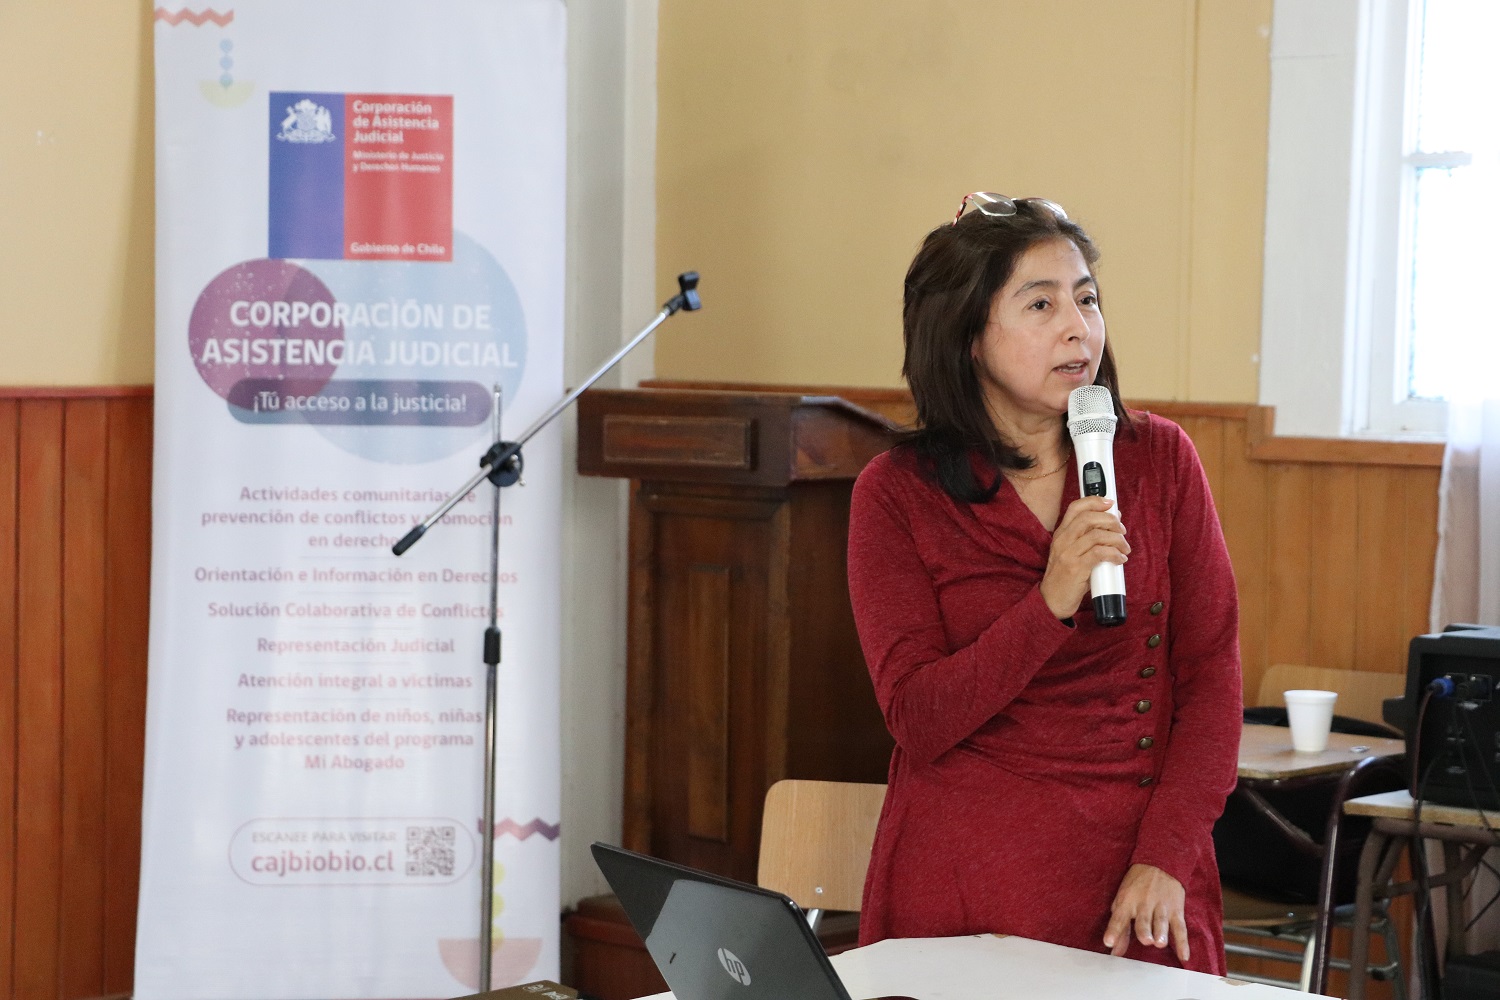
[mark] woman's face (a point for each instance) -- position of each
(1044, 338)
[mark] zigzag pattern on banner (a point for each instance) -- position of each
(522, 831)
(196, 20)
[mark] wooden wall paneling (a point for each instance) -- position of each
(1290, 525)
(1265, 446)
(85, 493)
(9, 483)
(127, 550)
(1421, 539)
(1333, 600)
(1380, 640)
(1207, 434)
(39, 700)
(1242, 511)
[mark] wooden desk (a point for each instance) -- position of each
(964, 968)
(1267, 761)
(1465, 835)
(1266, 753)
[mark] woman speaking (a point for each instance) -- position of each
(1053, 778)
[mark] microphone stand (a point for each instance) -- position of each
(502, 465)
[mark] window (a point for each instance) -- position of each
(1445, 126)
(1449, 159)
(1380, 209)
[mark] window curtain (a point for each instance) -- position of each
(1466, 586)
(1466, 581)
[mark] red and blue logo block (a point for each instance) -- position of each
(360, 176)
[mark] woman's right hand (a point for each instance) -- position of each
(1089, 533)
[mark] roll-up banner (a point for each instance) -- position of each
(359, 215)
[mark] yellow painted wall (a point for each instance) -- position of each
(804, 149)
(76, 203)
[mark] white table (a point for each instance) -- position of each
(991, 967)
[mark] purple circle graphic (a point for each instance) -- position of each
(265, 319)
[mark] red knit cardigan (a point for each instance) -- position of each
(1036, 760)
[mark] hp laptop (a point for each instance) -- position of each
(717, 939)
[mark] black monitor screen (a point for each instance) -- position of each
(1455, 753)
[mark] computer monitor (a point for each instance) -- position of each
(1453, 750)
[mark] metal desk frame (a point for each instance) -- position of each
(1464, 838)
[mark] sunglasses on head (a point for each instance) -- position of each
(998, 206)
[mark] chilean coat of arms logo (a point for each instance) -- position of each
(306, 121)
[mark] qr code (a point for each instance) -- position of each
(429, 850)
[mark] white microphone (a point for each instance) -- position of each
(1091, 424)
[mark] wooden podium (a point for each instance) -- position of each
(743, 665)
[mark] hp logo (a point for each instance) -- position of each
(734, 967)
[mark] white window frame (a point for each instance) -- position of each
(1338, 184)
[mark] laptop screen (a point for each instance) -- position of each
(714, 938)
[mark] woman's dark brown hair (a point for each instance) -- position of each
(949, 287)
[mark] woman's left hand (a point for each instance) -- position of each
(1151, 902)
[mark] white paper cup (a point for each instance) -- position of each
(1310, 714)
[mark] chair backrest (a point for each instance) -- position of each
(815, 841)
(1273, 840)
(1360, 691)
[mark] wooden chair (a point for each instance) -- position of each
(1258, 919)
(815, 841)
